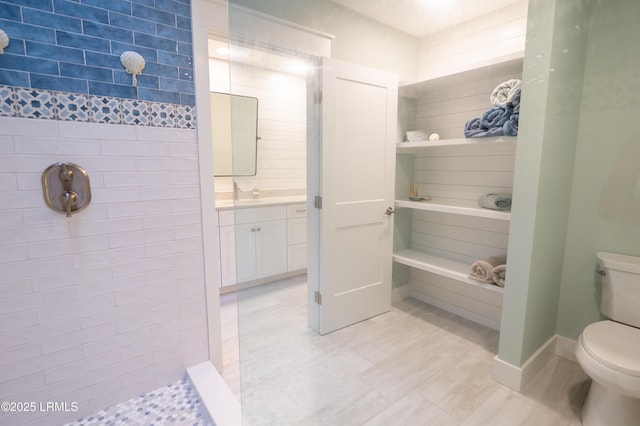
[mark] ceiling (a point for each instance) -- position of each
(422, 17)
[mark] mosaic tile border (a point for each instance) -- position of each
(53, 105)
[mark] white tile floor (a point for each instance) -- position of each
(415, 365)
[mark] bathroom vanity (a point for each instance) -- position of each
(262, 240)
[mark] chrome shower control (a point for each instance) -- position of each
(66, 188)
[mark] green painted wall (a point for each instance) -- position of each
(551, 97)
(577, 185)
(605, 198)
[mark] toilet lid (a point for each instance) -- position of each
(615, 345)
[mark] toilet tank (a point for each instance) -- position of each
(620, 287)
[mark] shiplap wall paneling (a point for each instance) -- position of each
(476, 42)
(459, 237)
(474, 303)
(445, 106)
(465, 172)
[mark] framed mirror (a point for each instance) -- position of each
(235, 134)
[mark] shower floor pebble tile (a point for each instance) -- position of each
(174, 404)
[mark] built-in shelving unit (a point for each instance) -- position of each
(438, 239)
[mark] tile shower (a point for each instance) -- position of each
(108, 304)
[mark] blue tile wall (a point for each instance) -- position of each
(74, 47)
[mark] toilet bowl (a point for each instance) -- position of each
(609, 351)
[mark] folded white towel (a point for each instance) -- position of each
(417, 135)
(504, 92)
(482, 270)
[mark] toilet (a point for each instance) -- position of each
(609, 351)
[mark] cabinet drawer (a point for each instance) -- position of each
(296, 210)
(260, 214)
(251, 215)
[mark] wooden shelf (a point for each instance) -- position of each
(455, 270)
(445, 205)
(417, 147)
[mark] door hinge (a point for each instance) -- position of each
(317, 297)
(317, 202)
(317, 97)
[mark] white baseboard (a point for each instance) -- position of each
(218, 402)
(566, 348)
(506, 374)
(260, 281)
(517, 377)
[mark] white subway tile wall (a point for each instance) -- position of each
(282, 148)
(110, 303)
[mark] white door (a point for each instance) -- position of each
(358, 110)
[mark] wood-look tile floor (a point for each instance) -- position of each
(414, 365)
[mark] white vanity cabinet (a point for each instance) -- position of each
(296, 237)
(261, 242)
(253, 243)
(228, 270)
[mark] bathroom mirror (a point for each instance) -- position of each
(235, 134)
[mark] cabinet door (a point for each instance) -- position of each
(297, 231)
(271, 248)
(296, 257)
(245, 254)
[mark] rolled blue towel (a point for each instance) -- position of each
(495, 201)
(484, 133)
(511, 126)
(494, 131)
(496, 116)
(472, 127)
(492, 123)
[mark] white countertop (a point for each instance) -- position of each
(267, 201)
